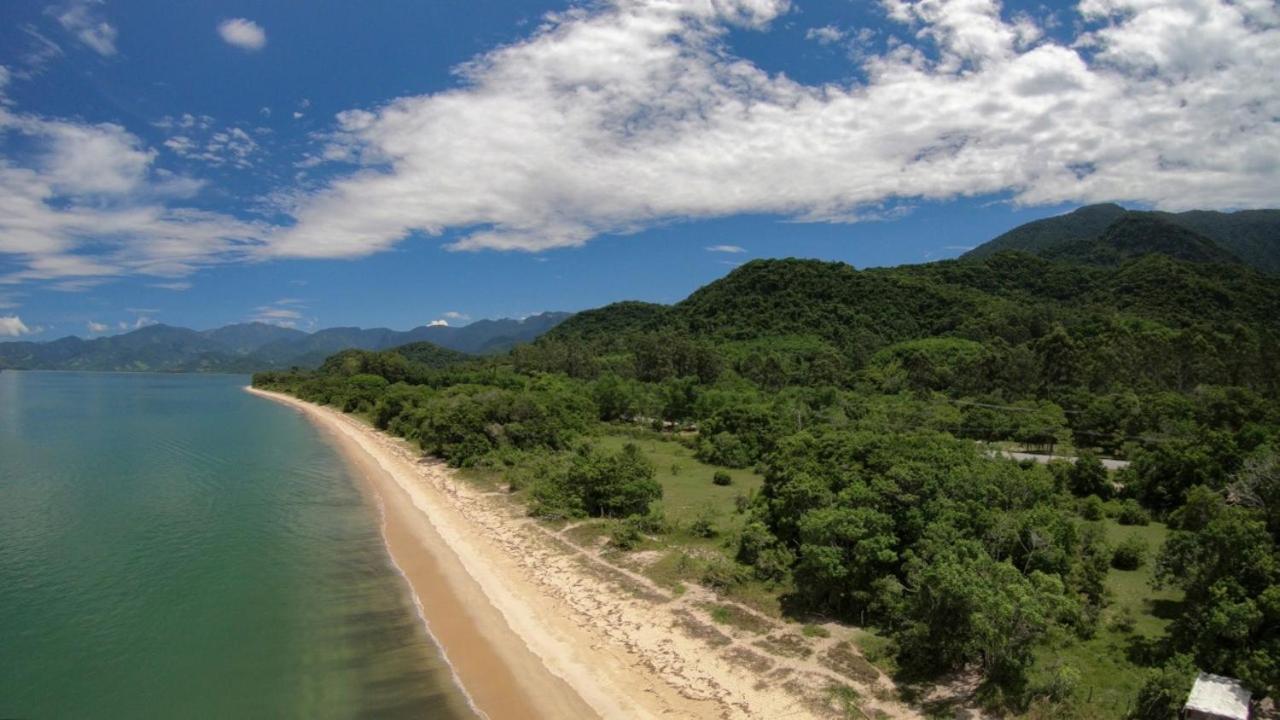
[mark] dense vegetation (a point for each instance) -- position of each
(872, 402)
(1249, 235)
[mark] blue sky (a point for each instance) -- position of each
(394, 163)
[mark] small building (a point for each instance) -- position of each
(1214, 697)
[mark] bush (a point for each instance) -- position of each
(722, 478)
(721, 575)
(653, 522)
(1165, 689)
(1130, 554)
(704, 525)
(1060, 686)
(625, 535)
(1092, 508)
(1131, 513)
(1088, 476)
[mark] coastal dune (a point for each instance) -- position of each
(535, 628)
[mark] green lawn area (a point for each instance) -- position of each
(687, 489)
(687, 494)
(1109, 675)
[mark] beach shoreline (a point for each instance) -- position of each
(534, 627)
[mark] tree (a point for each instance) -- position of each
(1130, 554)
(1088, 477)
(614, 485)
(1230, 571)
(964, 607)
(1165, 690)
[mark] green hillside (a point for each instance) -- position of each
(1252, 236)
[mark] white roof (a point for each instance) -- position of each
(1221, 696)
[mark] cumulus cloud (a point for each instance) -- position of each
(242, 33)
(87, 204)
(726, 249)
(12, 326)
(637, 112)
(439, 322)
(825, 35)
(97, 328)
(83, 20)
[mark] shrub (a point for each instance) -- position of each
(1124, 622)
(1088, 476)
(815, 631)
(704, 525)
(1130, 554)
(722, 478)
(1092, 508)
(1165, 689)
(1060, 686)
(1131, 513)
(653, 522)
(625, 535)
(721, 575)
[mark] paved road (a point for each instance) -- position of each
(1046, 459)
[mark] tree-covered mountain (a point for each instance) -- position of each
(1253, 236)
(248, 347)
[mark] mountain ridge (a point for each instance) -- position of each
(248, 347)
(1252, 236)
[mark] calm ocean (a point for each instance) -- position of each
(171, 546)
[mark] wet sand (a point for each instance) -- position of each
(500, 675)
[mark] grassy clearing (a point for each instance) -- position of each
(1111, 664)
(687, 489)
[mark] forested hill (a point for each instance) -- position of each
(1189, 322)
(248, 347)
(1253, 236)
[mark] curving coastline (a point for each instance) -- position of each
(533, 628)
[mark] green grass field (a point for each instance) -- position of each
(687, 489)
(1110, 663)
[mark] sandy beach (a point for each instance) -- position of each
(535, 626)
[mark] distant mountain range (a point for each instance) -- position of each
(1248, 236)
(249, 347)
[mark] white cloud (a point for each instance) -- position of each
(97, 328)
(438, 323)
(81, 19)
(142, 322)
(454, 315)
(87, 204)
(178, 285)
(41, 51)
(12, 326)
(244, 34)
(726, 249)
(89, 159)
(286, 312)
(635, 112)
(825, 35)
(228, 146)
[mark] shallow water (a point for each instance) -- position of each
(171, 546)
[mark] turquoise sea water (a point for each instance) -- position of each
(171, 546)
